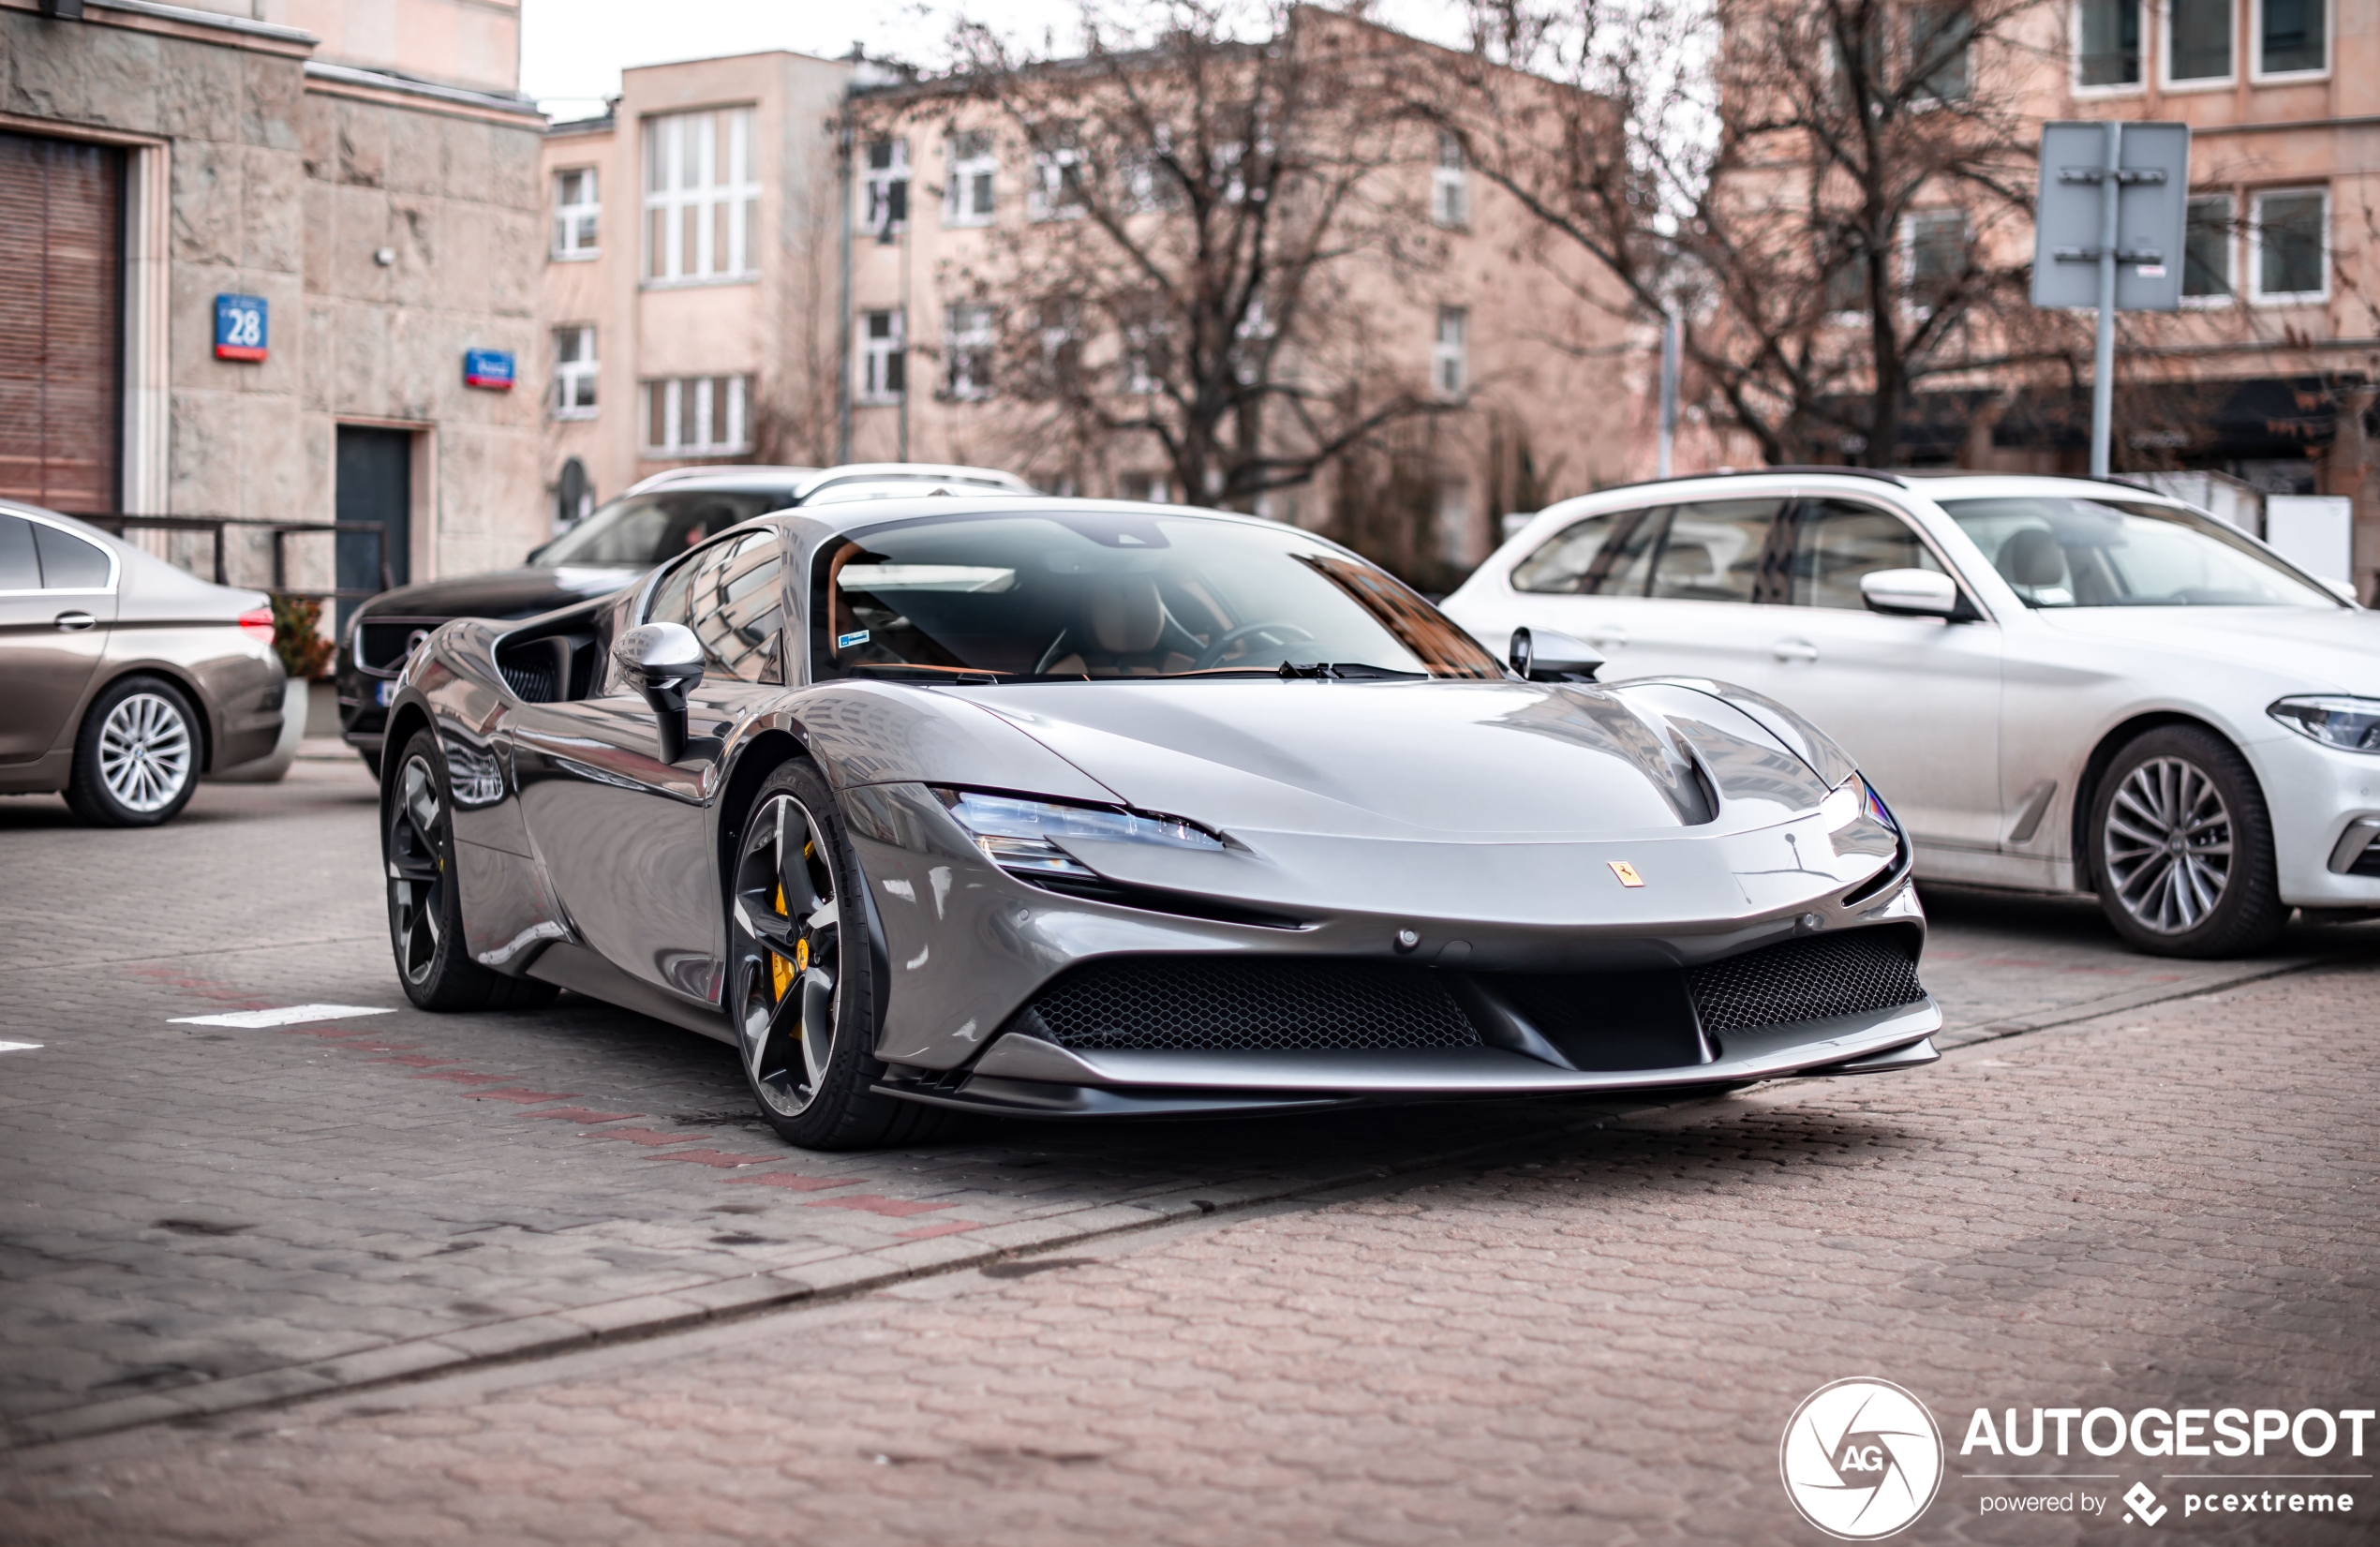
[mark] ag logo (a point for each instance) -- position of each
(1861, 1459)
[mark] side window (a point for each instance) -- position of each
(1714, 550)
(1836, 541)
(1624, 569)
(1565, 563)
(732, 595)
(67, 562)
(19, 570)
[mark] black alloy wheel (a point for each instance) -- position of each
(425, 912)
(798, 974)
(2182, 847)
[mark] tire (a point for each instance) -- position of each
(136, 756)
(2182, 847)
(805, 1025)
(425, 905)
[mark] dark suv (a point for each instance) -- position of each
(659, 518)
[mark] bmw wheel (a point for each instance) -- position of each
(425, 905)
(2182, 847)
(800, 978)
(136, 759)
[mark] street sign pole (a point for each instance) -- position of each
(2103, 354)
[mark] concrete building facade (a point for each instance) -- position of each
(363, 169)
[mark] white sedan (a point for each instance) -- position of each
(2061, 685)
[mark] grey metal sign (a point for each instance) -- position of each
(2108, 232)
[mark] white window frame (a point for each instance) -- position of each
(960, 176)
(1050, 166)
(1450, 185)
(2074, 56)
(2165, 77)
(2231, 296)
(876, 184)
(1450, 357)
(585, 216)
(737, 187)
(876, 355)
(720, 428)
(1907, 245)
(570, 374)
(2258, 75)
(2255, 292)
(969, 335)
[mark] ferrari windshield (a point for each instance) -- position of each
(640, 531)
(2097, 553)
(1092, 594)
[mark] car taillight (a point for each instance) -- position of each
(256, 623)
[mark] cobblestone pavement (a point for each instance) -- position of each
(1596, 1342)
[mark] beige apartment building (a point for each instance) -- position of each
(254, 244)
(772, 258)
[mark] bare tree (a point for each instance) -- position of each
(1832, 192)
(1213, 217)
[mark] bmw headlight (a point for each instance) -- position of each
(2352, 725)
(1020, 834)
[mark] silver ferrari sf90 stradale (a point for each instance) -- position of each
(1070, 808)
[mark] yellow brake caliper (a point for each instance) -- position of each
(781, 973)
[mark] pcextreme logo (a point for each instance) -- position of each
(1861, 1459)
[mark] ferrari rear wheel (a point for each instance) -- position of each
(425, 909)
(805, 1012)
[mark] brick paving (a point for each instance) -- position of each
(1584, 1345)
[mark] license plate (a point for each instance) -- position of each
(383, 693)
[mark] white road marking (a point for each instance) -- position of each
(20, 1047)
(289, 1014)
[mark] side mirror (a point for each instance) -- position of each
(1543, 655)
(1909, 593)
(663, 661)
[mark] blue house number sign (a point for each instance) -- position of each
(240, 327)
(489, 368)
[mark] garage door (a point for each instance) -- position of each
(60, 307)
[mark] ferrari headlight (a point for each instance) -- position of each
(2351, 724)
(1020, 834)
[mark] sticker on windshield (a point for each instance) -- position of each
(845, 641)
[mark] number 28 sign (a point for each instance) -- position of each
(239, 327)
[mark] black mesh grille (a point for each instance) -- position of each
(531, 681)
(1806, 979)
(1243, 1005)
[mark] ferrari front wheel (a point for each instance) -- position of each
(803, 996)
(425, 905)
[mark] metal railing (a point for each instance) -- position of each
(214, 526)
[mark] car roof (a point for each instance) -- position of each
(1928, 483)
(823, 478)
(841, 517)
(742, 476)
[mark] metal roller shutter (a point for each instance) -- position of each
(61, 309)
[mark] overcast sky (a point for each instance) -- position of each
(573, 50)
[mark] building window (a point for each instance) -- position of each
(2206, 250)
(1940, 35)
(886, 188)
(1449, 192)
(1450, 362)
(2198, 40)
(1147, 355)
(2289, 245)
(702, 198)
(577, 213)
(697, 416)
(2108, 43)
(967, 199)
(1150, 487)
(2292, 37)
(574, 373)
(1936, 255)
(1057, 175)
(967, 346)
(884, 367)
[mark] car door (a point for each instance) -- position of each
(1914, 700)
(57, 601)
(624, 836)
(1660, 589)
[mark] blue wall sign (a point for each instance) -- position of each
(240, 330)
(489, 368)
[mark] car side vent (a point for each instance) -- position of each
(531, 681)
(1248, 1005)
(1848, 973)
